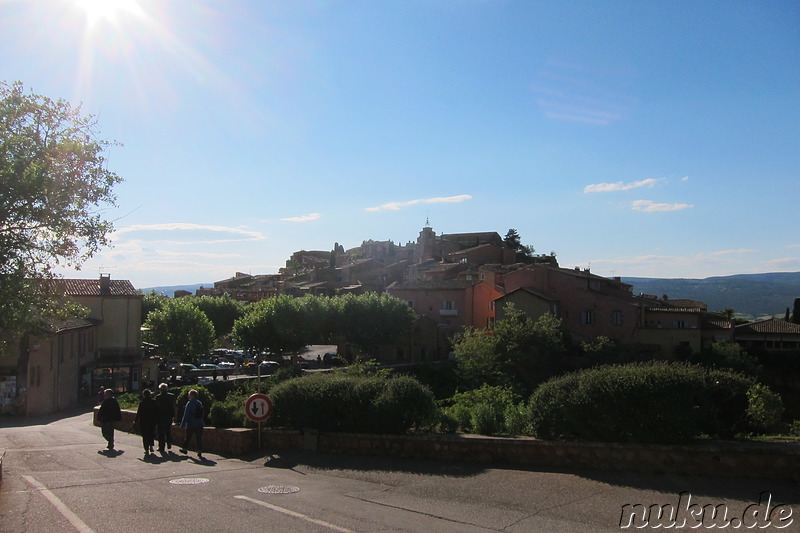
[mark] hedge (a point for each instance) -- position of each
(354, 404)
(641, 402)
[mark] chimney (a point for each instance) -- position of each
(105, 283)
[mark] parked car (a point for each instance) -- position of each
(269, 367)
(209, 366)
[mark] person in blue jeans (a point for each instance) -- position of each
(193, 422)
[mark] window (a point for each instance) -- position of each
(587, 317)
(616, 317)
(679, 324)
(448, 308)
(410, 304)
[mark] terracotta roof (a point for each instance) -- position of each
(717, 322)
(772, 325)
(658, 309)
(433, 284)
(531, 291)
(91, 287)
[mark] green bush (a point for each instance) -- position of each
(364, 404)
(447, 422)
(764, 408)
(487, 419)
(518, 419)
(462, 415)
(129, 400)
(794, 428)
(488, 410)
(640, 402)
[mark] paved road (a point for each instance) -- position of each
(56, 478)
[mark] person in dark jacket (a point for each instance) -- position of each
(193, 422)
(166, 416)
(146, 420)
(108, 414)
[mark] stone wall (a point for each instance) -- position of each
(712, 458)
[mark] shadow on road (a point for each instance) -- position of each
(719, 487)
(111, 453)
(289, 460)
(9, 421)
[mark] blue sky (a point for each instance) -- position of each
(647, 138)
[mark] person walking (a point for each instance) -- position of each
(166, 416)
(193, 422)
(146, 420)
(108, 414)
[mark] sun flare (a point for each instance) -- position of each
(107, 10)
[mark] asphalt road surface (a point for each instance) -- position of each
(57, 477)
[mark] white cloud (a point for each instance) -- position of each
(238, 233)
(303, 218)
(395, 206)
(649, 206)
(619, 186)
(739, 251)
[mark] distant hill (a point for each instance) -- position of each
(169, 290)
(752, 295)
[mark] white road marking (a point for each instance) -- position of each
(65, 511)
(295, 514)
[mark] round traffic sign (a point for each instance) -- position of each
(258, 407)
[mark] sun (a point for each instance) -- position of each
(107, 10)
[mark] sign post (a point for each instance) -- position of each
(258, 408)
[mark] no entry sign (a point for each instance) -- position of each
(258, 407)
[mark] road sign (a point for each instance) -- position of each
(258, 407)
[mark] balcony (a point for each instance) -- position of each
(448, 312)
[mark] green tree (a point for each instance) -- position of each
(371, 320)
(151, 302)
(321, 319)
(728, 354)
(513, 240)
(222, 311)
(518, 352)
(275, 325)
(180, 329)
(55, 183)
(478, 359)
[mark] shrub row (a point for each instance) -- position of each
(641, 402)
(357, 404)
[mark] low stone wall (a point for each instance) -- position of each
(713, 458)
(719, 459)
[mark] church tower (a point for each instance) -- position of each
(426, 243)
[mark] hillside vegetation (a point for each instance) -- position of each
(752, 295)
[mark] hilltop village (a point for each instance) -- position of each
(460, 280)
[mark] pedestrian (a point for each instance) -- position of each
(108, 414)
(166, 416)
(146, 420)
(193, 422)
(101, 395)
